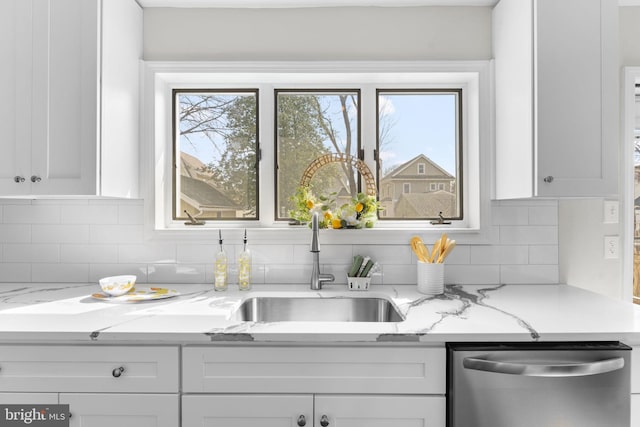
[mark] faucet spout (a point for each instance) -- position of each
(317, 278)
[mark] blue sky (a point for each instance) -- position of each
(421, 124)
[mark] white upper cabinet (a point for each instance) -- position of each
(51, 80)
(556, 98)
(50, 83)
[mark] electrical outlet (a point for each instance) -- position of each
(611, 208)
(611, 247)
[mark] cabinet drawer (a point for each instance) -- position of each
(89, 369)
(371, 370)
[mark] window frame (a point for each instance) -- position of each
(459, 112)
(276, 91)
(159, 77)
(175, 142)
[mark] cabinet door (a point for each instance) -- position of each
(15, 93)
(28, 398)
(122, 410)
(576, 93)
(380, 411)
(556, 98)
(65, 97)
(247, 410)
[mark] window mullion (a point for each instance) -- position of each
(368, 125)
(267, 190)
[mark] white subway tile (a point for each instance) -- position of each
(472, 274)
(116, 233)
(543, 254)
(30, 214)
(131, 214)
(90, 214)
(1, 214)
(60, 233)
(176, 273)
(287, 274)
(386, 254)
(459, 255)
(15, 272)
(98, 271)
(543, 215)
(526, 274)
(202, 253)
(93, 254)
(160, 253)
(60, 273)
(493, 254)
(394, 274)
(26, 252)
(531, 235)
(15, 233)
(272, 254)
(510, 215)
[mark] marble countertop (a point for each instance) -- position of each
(68, 314)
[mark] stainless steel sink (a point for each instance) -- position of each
(308, 309)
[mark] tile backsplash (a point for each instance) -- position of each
(82, 240)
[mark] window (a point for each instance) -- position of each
(420, 131)
(215, 154)
(310, 124)
(255, 136)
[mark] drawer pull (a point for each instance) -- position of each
(18, 179)
(35, 178)
(302, 421)
(117, 372)
(324, 421)
(548, 179)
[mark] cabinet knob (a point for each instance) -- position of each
(302, 421)
(548, 179)
(18, 179)
(324, 421)
(35, 178)
(117, 372)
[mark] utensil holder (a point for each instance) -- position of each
(430, 278)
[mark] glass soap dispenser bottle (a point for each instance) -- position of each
(220, 269)
(244, 267)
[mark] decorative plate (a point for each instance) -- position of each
(137, 295)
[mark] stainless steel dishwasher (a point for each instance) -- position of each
(538, 385)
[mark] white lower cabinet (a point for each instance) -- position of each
(380, 411)
(122, 410)
(312, 411)
(265, 410)
(125, 386)
(288, 386)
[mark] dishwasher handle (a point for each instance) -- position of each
(544, 369)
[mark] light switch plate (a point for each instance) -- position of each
(611, 211)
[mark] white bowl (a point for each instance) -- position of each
(117, 285)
